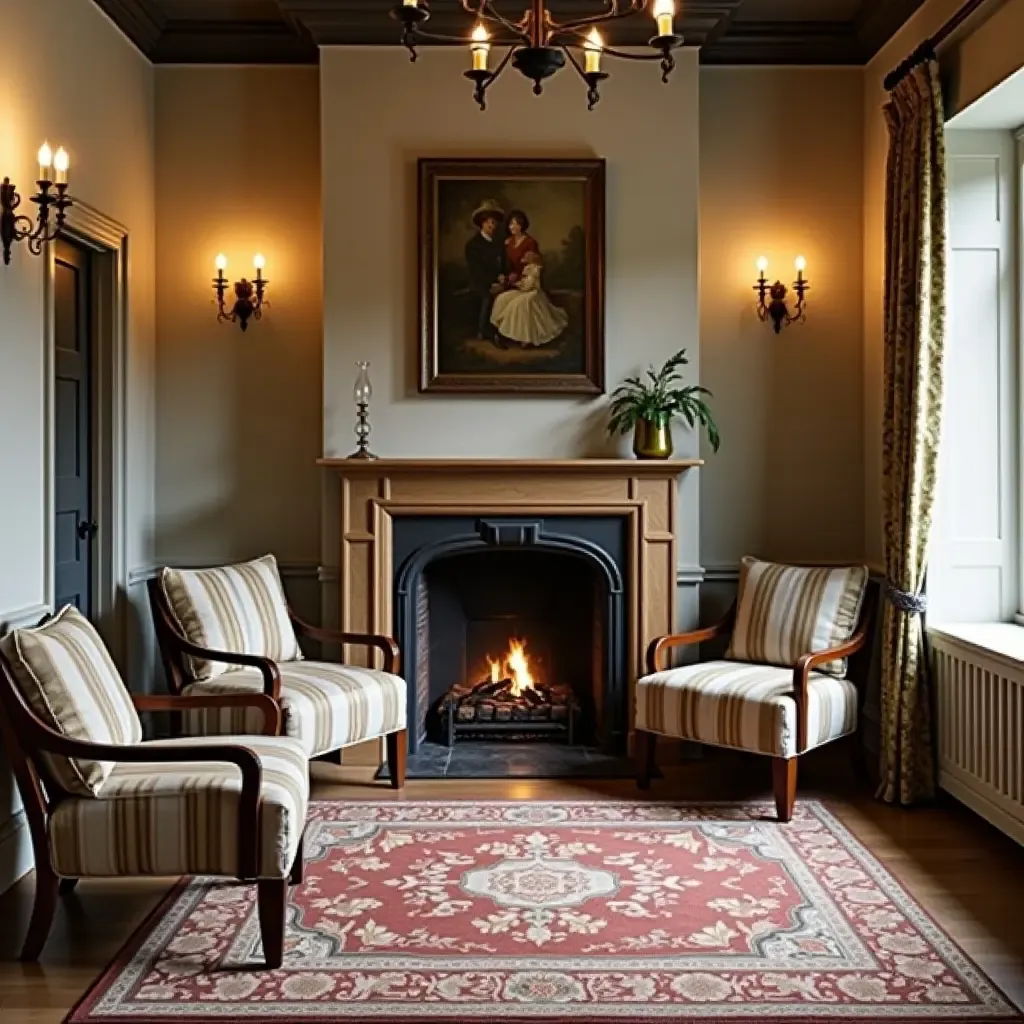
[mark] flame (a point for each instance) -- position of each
(515, 666)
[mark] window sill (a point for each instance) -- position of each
(1003, 641)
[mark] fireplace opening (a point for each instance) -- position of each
(516, 642)
(485, 606)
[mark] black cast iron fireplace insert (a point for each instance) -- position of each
(513, 628)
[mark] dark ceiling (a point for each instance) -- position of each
(289, 31)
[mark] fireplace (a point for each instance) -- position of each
(513, 628)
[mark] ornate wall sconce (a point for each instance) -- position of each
(52, 195)
(772, 301)
(248, 302)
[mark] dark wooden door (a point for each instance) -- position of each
(75, 527)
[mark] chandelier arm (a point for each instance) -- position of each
(580, 41)
(489, 11)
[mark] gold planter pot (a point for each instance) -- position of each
(652, 439)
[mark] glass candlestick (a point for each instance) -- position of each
(362, 392)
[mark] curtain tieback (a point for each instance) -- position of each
(905, 600)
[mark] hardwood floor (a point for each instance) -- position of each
(966, 874)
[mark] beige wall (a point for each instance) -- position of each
(372, 138)
(986, 53)
(70, 76)
(238, 415)
(781, 166)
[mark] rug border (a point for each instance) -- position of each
(145, 928)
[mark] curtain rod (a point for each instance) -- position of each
(926, 51)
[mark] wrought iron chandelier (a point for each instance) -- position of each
(538, 45)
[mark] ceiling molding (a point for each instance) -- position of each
(236, 42)
(367, 22)
(293, 36)
(789, 43)
(141, 21)
(879, 20)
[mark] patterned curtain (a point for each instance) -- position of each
(915, 318)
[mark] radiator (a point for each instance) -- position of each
(979, 687)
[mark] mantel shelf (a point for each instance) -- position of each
(607, 467)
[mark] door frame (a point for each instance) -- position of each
(107, 240)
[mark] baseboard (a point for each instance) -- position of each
(983, 807)
(15, 850)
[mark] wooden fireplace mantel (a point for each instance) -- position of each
(599, 467)
(374, 493)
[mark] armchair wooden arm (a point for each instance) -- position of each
(806, 663)
(168, 702)
(385, 644)
(697, 636)
(174, 647)
(34, 736)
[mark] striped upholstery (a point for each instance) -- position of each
(325, 706)
(785, 611)
(182, 819)
(66, 675)
(237, 608)
(748, 707)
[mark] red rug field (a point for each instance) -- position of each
(527, 912)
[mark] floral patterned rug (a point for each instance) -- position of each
(605, 911)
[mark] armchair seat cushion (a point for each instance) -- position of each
(744, 706)
(325, 706)
(155, 818)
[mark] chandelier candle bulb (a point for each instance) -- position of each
(664, 13)
(480, 48)
(592, 52)
(259, 261)
(221, 262)
(410, 3)
(762, 265)
(801, 266)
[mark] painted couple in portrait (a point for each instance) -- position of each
(505, 266)
(511, 275)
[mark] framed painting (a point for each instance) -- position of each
(512, 276)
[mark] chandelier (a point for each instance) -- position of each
(537, 45)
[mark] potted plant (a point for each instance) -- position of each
(648, 407)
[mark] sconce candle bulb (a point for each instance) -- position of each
(772, 300)
(45, 158)
(61, 163)
(249, 295)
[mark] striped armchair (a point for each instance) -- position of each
(781, 689)
(230, 630)
(102, 803)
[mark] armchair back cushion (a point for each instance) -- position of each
(64, 671)
(237, 608)
(785, 611)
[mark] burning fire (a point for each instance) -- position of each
(514, 666)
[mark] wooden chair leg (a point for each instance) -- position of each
(298, 865)
(272, 900)
(646, 749)
(67, 886)
(784, 784)
(398, 747)
(47, 891)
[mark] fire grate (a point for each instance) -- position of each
(512, 706)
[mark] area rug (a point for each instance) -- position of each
(527, 912)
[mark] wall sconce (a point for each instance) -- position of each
(777, 309)
(52, 194)
(248, 302)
